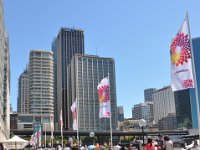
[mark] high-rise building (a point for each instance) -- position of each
(196, 54)
(148, 94)
(4, 80)
(163, 103)
(41, 82)
(183, 109)
(87, 72)
(120, 113)
(23, 93)
(68, 43)
(143, 111)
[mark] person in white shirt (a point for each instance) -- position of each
(168, 144)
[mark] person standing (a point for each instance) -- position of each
(149, 145)
(168, 144)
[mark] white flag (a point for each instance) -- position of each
(74, 114)
(104, 98)
(181, 65)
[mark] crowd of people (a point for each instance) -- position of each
(162, 143)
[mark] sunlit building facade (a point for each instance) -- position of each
(164, 103)
(4, 80)
(41, 99)
(87, 72)
(23, 93)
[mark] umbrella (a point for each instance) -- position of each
(15, 143)
(90, 147)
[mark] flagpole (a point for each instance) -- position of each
(52, 128)
(62, 136)
(77, 120)
(77, 105)
(61, 126)
(194, 75)
(45, 136)
(111, 144)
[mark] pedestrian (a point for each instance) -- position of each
(168, 144)
(160, 142)
(149, 145)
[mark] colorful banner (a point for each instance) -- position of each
(104, 98)
(74, 114)
(181, 65)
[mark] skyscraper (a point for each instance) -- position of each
(148, 94)
(120, 113)
(68, 43)
(41, 82)
(143, 111)
(4, 80)
(87, 72)
(196, 54)
(23, 93)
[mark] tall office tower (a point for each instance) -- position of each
(41, 82)
(68, 43)
(196, 53)
(4, 80)
(148, 94)
(164, 103)
(23, 93)
(87, 72)
(142, 111)
(183, 109)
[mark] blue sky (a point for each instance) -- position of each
(136, 33)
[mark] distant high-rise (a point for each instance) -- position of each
(68, 43)
(120, 113)
(41, 82)
(23, 93)
(148, 94)
(143, 111)
(87, 72)
(164, 103)
(4, 80)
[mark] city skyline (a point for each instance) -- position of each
(136, 34)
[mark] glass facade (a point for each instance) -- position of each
(148, 94)
(183, 111)
(196, 54)
(68, 43)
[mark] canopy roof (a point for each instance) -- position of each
(15, 143)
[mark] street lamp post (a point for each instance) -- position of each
(142, 123)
